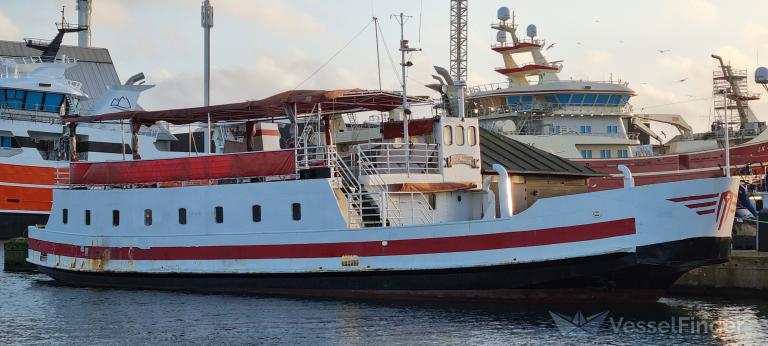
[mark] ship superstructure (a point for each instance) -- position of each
(35, 93)
(571, 118)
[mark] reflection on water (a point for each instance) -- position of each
(37, 310)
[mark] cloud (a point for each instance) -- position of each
(110, 13)
(599, 57)
(697, 10)
(8, 30)
(754, 33)
(277, 15)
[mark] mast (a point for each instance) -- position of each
(459, 39)
(207, 24)
(405, 48)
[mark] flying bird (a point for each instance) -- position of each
(550, 46)
(683, 80)
(662, 51)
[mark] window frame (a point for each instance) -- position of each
(256, 213)
(87, 217)
(218, 214)
(64, 216)
(471, 136)
(448, 138)
(296, 211)
(115, 217)
(459, 135)
(148, 217)
(182, 216)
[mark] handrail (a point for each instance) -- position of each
(391, 158)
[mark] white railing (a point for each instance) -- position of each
(504, 85)
(394, 158)
(376, 189)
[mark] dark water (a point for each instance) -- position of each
(34, 310)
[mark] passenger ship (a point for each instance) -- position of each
(34, 95)
(593, 123)
(407, 217)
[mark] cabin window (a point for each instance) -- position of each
(605, 154)
(622, 153)
(296, 209)
(65, 216)
(613, 129)
(471, 136)
(87, 217)
(147, 217)
(14, 98)
(585, 129)
(256, 211)
(34, 101)
(459, 135)
(6, 142)
(219, 211)
(586, 153)
(182, 216)
(115, 218)
(447, 135)
(53, 102)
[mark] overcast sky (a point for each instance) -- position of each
(261, 47)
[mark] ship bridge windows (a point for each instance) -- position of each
(31, 100)
(34, 101)
(589, 100)
(520, 103)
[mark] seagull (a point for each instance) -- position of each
(662, 51)
(683, 80)
(578, 43)
(550, 46)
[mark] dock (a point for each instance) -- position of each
(746, 274)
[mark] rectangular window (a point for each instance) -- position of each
(182, 216)
(256, 211)
(577, 99)
(115, 218)
(586, 129)
(589, 99)
(64, 216)
(53, 102)
(613, 129)
(605, 154)
(15, 98)
(87, 217)
(586, 153)
(219, 214)
(602, 100)
(6, 142)
(296, 208)
(34, 101)
(623, 153)
(147, 217)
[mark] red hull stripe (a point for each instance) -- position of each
(692, 198)
(519, 239)
(701, 205)
(705, 212)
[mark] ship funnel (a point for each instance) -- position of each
(531, 31)
(84, 9)
(503, 13)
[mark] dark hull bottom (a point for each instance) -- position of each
(642, 276)
(14, 225)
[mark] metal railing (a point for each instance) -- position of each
(395, 158)
(504, 85)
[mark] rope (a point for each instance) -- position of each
(334, 55)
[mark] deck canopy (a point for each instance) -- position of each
(304, 102)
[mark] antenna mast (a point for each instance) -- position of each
(459, 39)
(207, 23)
(405, 48)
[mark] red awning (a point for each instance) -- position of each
(305, 101)
(254, 164)
(394, 129)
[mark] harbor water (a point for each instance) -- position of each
(35, 310)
